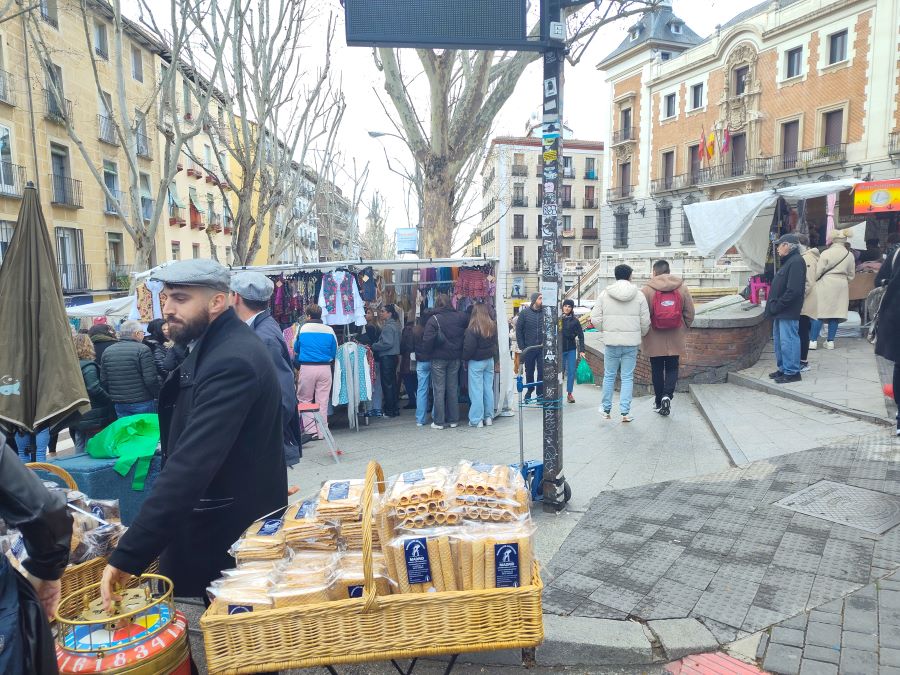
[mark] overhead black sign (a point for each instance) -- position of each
(437, 24)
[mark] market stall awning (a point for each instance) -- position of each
(744, 221)
(117, 307)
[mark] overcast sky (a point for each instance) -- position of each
(586, 111)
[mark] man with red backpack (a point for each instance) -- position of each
(671, 314)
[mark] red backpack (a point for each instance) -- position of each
(666, 311)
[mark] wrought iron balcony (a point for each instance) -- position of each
(66, 192)
(56, 111)
(727, 171)
(215, 221)
(566, 203)
(142, 141)
(7, 93)
(519, 170)
(589, 233)
(107, 130)
(619, 192)
(568, 233)
(590, 175)
(668, 183)
(74, 277)
(520, 200)
(624, 135)
(808, 158)
(12, 179)
(568, 172)
(894, 143)
(120, 277)
(176, 215)
(590, 202)
(519, 233)
(520, 267)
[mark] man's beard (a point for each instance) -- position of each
(185, 333)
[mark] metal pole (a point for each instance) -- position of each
(554, 481)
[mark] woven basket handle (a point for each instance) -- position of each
(373, 472)
(56, 471)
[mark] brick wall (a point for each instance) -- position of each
(711, 353)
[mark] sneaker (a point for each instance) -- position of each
(480, 425)
(787, 379)
(489, 422)
(607, 415)
(627, 418)
(665, 406)
(814, 344)
(570, 398)
(453, 425)
(804, 366)
(437, 426)
(420, 424)
(776, 374)
(829, 345)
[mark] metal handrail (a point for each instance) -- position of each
(66, 191)
(12, 179)
(107, 127)
(624, 134)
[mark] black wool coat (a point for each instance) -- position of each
(788, 288)
(221, 433)
(887, 343)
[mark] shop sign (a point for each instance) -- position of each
(876, 196)
(407, 240)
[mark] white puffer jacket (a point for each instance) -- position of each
(621, 315)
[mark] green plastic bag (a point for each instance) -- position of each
(583, 374)
(133, 441)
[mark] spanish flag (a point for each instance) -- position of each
(711, 145)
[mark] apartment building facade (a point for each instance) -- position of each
(787, 92)
(512, 194)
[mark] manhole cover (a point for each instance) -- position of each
(867, 510)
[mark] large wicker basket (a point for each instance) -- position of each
(89, 572)
(374, 627)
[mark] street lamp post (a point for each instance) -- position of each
(415, 182)
(579, 270)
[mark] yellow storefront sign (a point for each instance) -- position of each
(876, 196)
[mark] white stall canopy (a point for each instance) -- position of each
(744, 221)
(117, 307)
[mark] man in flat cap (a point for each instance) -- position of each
(221, 434)
(250, 293)
(784, 305)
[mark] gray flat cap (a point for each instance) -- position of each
(252, 285)
(197, 272)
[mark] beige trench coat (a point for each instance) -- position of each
(836, 268)
(810, 302)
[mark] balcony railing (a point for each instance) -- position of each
(679, 182)
(590, 174)
(619, 192)
(729, 170)
(623, 135)
(74, 277)
(56, 111)
(107, 130)
(112, 207)
(810, 157)
(566, 203)
(568, 172)
(589, 233)
(143, 144)
(568, 234)
(520, 200)
(7, 94)
(894, 143)
(590, 202)
(519, 170)
(196, 219)
(193, 169)
(176, 215)
(519, 267)
(66, 192)
(120, 277)
(519, 233)
(229, 227)
(12, 179)
(215, 221)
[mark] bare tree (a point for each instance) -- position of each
(465, 92)
(375, 244)
(120, 121)
(281, 110)
(337, 210)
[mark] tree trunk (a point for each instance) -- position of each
(437, 221)
(143, 252)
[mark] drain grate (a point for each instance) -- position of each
(866, 510)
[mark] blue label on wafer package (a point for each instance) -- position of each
(305, 510)
(355, 591)
(418, 569)
(482, 467)
(239, 609)
(339, 490)
(413, 476)
(270, 527)
(506, 565)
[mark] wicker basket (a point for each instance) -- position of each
(374, 627)
(89, 572)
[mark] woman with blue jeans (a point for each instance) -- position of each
(33, 447)
(424, 400)
(480, 352)
(573, 345)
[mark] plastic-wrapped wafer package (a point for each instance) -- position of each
(424, 562)
(241, 594)
(304, 530)
(421, 499)
(350, 578)
(490, 493)
(263, 540)
(496, 555)
(340, 500)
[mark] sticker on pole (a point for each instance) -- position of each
(550, 291)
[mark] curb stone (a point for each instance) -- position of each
(680, 637)
(576, 641)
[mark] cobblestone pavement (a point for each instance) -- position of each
(859, 634)
(717, 548)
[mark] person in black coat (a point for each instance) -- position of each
(573, 344)
(221, 437)
(887, 342)
(784, 304)
(102, 335)
(250, 298)
(530, 333)
(156, 340)
(443, 340)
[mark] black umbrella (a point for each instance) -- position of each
(40, 379)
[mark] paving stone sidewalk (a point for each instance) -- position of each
(716, 548)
